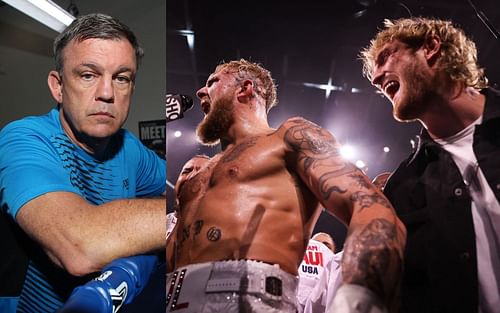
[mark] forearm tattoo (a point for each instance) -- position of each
(325, 189)
(361, 180)
(366, 200)
(371, 257)
(316, 148)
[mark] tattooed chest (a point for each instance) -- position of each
(246, 161)
(197, 229)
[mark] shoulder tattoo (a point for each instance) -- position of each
(308, 138)
(317, 148)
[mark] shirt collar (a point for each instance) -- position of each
(491, 111)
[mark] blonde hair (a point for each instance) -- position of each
(264, 83)
(458, 55)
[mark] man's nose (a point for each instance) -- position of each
(202, 92)
(105, 90)
(377, 78)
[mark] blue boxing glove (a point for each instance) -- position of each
(120, 282)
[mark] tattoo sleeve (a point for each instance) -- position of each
(367, 200)
(318, 152)
(374, 246)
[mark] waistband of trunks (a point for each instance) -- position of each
(246, 277)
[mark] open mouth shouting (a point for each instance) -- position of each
(390, 88)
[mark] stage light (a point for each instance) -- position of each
(189, 37)
(44, 11)
(177, 133)
(328, 88)
(387, 149)
(347, 152)
(360, 164)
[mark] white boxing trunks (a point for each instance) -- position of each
(231, 286)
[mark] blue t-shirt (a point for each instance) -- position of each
(36, 157)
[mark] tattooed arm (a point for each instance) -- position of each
(375, 242)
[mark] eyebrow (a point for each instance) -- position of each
(125, 69)
(92, 66)
(211, 80)
(382, 56)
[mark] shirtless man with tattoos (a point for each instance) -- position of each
(246, 216)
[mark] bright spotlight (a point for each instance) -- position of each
(387, 149)
(347, 152)
(360, 164)
(177, 133)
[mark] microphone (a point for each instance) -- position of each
(176, 105)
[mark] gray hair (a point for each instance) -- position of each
(95, 25)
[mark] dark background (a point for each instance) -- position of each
(308, 42)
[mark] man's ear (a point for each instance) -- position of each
(55, 85)
(246, 91)
(432, 48)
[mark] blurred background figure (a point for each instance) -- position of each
(319, 274)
